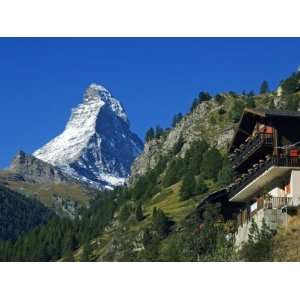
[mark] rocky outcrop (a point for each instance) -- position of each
(197, 125)
(30, 168)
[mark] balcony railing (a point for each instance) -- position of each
(277, 202)
(246, 150)
(258, 169)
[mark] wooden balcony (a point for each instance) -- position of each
(245, 151)
(261, 176)
(277, 202)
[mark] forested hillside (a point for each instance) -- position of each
(154, 217)
(19, 214)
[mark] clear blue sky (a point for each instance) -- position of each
(42, 79)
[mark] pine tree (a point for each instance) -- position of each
(251, 94)
(194, 104)
(68, 257)
(201, 187)
(124, 213)
(264, 88)
(219, 98)
(211, 163)
(225, 175)
(176, 119)
(171, 175)
(139, 212)
(178, 145)
(86, 252)
(158, 132)
(204, 96)
(150, 135)
(161, 223)
(188, 186)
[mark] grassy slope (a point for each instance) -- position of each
(168, 200)
(287, 241)
(46, 192)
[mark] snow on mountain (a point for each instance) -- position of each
(97, 145)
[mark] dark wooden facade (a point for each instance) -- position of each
(262, 133)
(263, 139)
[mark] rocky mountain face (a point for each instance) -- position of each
(30, 168)
(97, 146)
(206, 121)
(39, 180)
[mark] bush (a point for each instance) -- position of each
(260, 244)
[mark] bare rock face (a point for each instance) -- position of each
(33, 169)
(195, 126)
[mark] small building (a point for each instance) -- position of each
(265, 154)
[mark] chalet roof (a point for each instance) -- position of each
(214, 197)
(249, 118)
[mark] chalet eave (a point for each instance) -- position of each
(266, 180)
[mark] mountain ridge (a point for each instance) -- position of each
(97, 146)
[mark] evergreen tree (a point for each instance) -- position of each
(69, 256)
(194, 104)
(225, 175)
(211, 163)
(201, 187)
(250, 102)
(264, 88)
(272, 105)
(292, 84)
(237, 110)
(188, 186)
(161, 223)
(139, 212)
(125, 213)
(150, 135)
(171, 175)
(194, 156)
(219, 98)
(178, 145)
(176, 119)
(251, 94)
(259, 245)
(292, 103)
(204, 96)
(86, 252)
(158, 132)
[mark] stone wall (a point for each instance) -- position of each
(272, 217)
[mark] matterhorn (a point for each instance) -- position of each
(97, 146)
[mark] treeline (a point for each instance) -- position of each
(201, 163)
(19, 214)
(242, 101)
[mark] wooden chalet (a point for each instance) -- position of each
(265, 155)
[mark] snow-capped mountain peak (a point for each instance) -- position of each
(97, 145)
